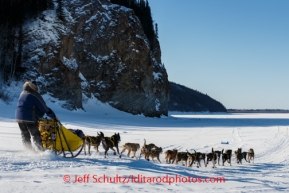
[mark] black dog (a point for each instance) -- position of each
(110, 142)
(219, 155)
(201, 156)
(227, 156)
(239, 156)
(214, 157)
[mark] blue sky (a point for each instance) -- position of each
(236, 51)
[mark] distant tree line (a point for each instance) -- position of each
(143, 11)
(257, 111)
(184, 99)
(13, 13)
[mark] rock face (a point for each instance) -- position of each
(99, 50)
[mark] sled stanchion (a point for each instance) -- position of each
(58, 139)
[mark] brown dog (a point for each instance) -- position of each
(146, 148)
(92, 141)
(251, 155)
(154, 153)
(170, 156)
(110, 142)
(131, 147)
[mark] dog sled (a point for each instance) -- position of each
(58, 139)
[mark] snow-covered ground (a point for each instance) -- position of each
(266, 133)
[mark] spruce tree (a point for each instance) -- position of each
(59, 10)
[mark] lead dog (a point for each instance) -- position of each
(92, 141)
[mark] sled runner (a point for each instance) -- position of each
(58, 139)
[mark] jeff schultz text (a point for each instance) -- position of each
(170, 179)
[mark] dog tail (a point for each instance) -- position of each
(222, 151)
(166, 154)
(101, 134)
(144, 142)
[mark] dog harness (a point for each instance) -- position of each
(112, 140)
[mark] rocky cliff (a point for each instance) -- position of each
(99, 50)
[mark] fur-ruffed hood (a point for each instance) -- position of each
(30, 85)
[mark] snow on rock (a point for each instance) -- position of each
(71, 64)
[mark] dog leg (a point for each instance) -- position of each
(84, 149)
(89, 149)
(105, 153)
(128, 154)
(140, 155)
(159, 159)
(119, 155)
(173, 160)
(214, 164)
(114, 152)
(123, 150)
(134, 152)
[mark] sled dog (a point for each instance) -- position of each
(182, 156)
(227, 156)
(146, 148)
(213, 156)
(251, 155)
(154, 153)
(131, 147)
(218, 155)
(110, 142)
(192, 157)
(201, 156)
(92, 141)
(239, 156)
(170, 156)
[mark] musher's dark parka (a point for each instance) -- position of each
(31, 105)
(30, 108)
